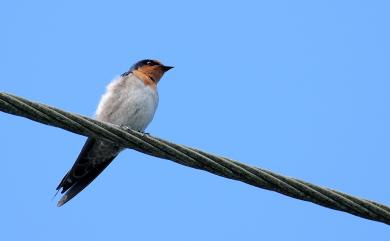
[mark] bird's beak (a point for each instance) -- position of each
(166, 68)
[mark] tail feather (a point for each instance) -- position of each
(93, 159)
(80, 184)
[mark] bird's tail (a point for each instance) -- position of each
(95, 156)
(80, 184)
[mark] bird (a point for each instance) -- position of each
(130, 101)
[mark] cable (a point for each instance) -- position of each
(194, 158)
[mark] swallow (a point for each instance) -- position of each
(131, 101)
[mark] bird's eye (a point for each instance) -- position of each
(151, 63)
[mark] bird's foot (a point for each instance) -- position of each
(125, 128)
(145, 133)
(128, 129)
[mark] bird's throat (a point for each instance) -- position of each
(148, 80)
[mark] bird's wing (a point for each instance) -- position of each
(95, 156)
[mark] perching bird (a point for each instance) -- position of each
(130, 100)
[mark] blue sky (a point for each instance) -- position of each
(297, 87)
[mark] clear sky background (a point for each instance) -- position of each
(297, 87)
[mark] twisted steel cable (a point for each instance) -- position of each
(195, 158)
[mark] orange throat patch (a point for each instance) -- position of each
(147, 79)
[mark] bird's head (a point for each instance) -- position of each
(151, 69)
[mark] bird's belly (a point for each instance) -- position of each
(141, 116)
(137, 111)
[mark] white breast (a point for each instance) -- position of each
(128, 101)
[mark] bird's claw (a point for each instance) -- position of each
(145, 133)
(125, 128)
(128, 129)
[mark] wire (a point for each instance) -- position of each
(194, 158)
